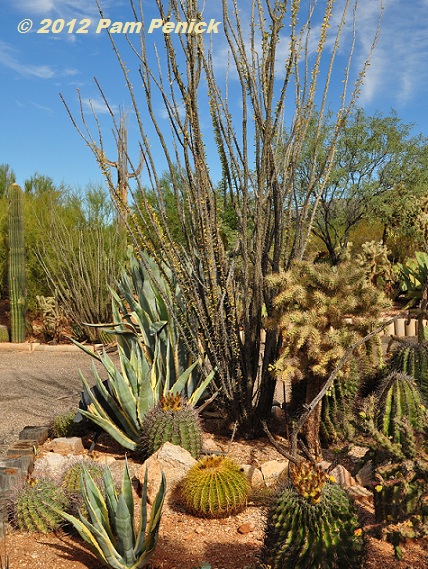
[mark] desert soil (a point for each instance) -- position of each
(186, 542)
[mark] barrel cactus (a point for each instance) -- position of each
(214, 487)
(312, 525)
(72, 481)
(172, 420)
(400, 413)
(32, 508)
(411, 358)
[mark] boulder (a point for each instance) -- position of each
(170, 459)
(274, 471)
(66, 445)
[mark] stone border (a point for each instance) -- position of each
(18, 465)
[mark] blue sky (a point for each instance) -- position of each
(37, 135)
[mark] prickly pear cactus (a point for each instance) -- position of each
(171, 420)
(411, 358)
(312, 525)
(31, 509)
(214, 487)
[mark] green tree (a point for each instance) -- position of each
(376, 158)
(282, 60)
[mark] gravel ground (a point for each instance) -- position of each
(36, 386)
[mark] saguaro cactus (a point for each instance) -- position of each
(17, 281)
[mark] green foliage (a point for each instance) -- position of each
(4, 334)
(214, 487)
(413, 277)
(307, 535)
(154, 359)
(17, 276)
(172, 420)
(109, 528)
(72, 480)
(411, 358)
(32, 509)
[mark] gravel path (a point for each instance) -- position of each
(36, 386)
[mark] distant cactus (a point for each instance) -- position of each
(412, 358)
(172, 420)
(214, 487)
(17, 278)
(31, 510)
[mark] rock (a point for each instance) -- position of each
(361, 494)
(356, 453)
(342, 476)
(210, 444)
(365, 475)
(246, 528)
(254, 475)
(170, 459)
(53, 465)
(274, 471)
(66, 445)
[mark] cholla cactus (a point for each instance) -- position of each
(321, 310)
(373, 259)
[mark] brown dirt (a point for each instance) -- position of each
(185, 542)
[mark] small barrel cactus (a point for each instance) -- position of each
(411, 358)
(214, 487)
(71, 482)
(31, 509)
(312, 525)
(172, 420)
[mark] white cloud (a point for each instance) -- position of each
(60, 8)
(98, 106)
(9, 58)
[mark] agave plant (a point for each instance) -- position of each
(154, 360)
(110, 530)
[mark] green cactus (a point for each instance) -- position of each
(17, 278)
(400, 413)
(312, 525)
(4, 334)
(214, 487)
(402, 491)
(412, 358)
(32, 508)
(171, 420)
(63, 425)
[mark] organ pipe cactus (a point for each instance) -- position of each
(17, 278)
(109, 528)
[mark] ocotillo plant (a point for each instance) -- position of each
(17, 281)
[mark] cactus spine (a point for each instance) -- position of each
(17, 280)
(312, 525)
(214, 487)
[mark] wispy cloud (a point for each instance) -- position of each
(10, 58)
(98, 106)
(60, 8)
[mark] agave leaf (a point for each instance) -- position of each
(112, 429)
(108, 553)
(140, 537)
(125, 533)
(127, 495)
(96, 505)
(197, 393)
(111, 497)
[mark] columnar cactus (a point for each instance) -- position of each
(17, 280)
(412, 358)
